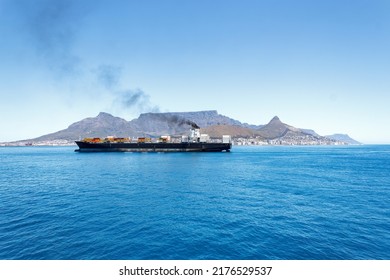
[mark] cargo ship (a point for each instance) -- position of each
(195, 142)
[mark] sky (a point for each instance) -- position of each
(321, 65)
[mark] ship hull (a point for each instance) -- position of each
(152, 147)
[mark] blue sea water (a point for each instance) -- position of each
(253, 203)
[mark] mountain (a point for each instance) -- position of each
(344, 138)
(179, 123)
(274, 129)
(148, 124)
(203, 118)
(101, 126)
(277, 132)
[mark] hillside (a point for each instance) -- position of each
(217, 131)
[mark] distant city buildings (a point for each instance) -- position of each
(294, 140)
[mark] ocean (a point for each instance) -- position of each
(256, 202)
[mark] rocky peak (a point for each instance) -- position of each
(275, 120)
(104, 115)
(274, 129)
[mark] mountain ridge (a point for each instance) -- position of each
(178, 123)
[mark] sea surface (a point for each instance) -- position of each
(263, 202)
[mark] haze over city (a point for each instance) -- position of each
(321, 65)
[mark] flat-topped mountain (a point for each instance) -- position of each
(201, 118)
(344, 138)
(179, 123)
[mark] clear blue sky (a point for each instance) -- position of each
(323, 65)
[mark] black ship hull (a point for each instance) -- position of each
(152, 147)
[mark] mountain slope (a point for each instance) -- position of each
(234, 130)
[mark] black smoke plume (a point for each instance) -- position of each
(135, 99)
(194, 125)
(128, 100)
(181, 121)
(109, 76)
